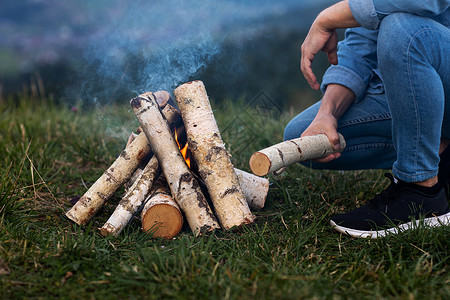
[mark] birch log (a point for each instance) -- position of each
(288, 152)
(135, 176)
(161, 216)
(183, 186)
(213, 160)
(132, 200)
(117, 174)
(255, 188)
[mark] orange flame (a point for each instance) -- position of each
(183, 150)
(185, 155)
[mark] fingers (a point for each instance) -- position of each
(328, 158)
(325, 123)
(331, 48)
(332, 57)
(305, 66)
(317, 40)
(333, 137)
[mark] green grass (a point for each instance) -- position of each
(50, 154)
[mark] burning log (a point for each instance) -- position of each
(116, 175)
(161, 215)
(132, 200)
(286, 153)
(213, 160)
(255, 188)
(183, 186)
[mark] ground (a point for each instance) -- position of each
(50, 154)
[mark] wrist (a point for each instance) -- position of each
(336, 16)
(336, 100)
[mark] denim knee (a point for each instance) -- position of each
(399, 34)
(300, 122)
(295, 128)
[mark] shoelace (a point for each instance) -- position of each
(385, 196)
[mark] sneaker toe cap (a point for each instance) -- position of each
(356, 221)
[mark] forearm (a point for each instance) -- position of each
(336, 100)
(337, 16)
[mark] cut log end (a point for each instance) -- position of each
(107, 230)
(72, 218)
(260, 164)
(162, 220)
(255, 188)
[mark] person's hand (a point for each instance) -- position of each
(318, 39)
(325, 124)
(322, 36)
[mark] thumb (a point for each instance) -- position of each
(333, 137)
(332, 57)
(331, 48)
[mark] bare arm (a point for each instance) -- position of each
(336, 100)
(322, 36)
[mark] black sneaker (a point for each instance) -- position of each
(444, 171)
(397, 208)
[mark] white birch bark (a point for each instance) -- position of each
(117, 174)
(283, 154)
(213, 160)
(132, 200)
(183, 186)
(255, 188)
(134, 177)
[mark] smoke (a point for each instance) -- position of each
(140, 46)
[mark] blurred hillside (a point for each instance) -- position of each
(111, 50)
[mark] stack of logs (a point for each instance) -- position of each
(161, 186)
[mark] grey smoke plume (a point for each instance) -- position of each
(154, 45)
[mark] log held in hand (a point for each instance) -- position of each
(281, 155)
(183, 186)
(213, 160)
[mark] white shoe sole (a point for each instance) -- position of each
(373, 234)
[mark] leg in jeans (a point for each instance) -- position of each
(414, 60)
(414, 64)
(366, 127)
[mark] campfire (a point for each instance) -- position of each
(183, 149)
(176, 168)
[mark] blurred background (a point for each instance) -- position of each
(109, 51)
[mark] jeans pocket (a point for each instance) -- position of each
(376, 85)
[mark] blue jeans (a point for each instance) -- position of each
(400, 122)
